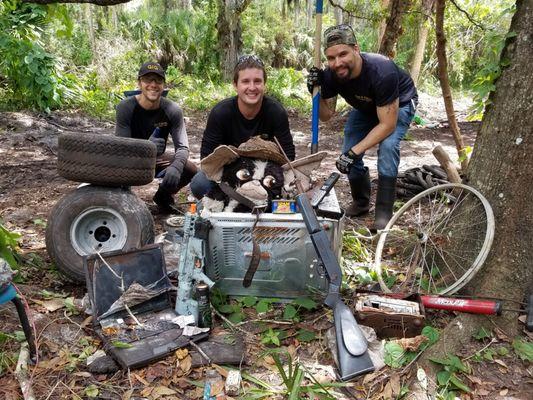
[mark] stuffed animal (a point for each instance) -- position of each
(254, 170)
(257, 180)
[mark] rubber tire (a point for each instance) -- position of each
(136, 216)
(106, 160)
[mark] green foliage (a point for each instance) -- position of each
(491, 67)
(298, 382)
(271, 336)
(288, 87)
(293, 310)
(305, 336)
(7, 359)
(354, 248)
(482, 334)
(91, 391)
(32, 73)
(523, 349)
(396, 356)
(448, 379)
(8, 246)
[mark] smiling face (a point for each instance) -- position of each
(344, 60)
(151, 86)
(250, 87)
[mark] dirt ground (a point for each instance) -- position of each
(30, 186)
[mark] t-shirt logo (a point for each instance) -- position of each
(363, 98)
(161, 124)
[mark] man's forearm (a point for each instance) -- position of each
(375, 136)
(180, 158)
(327, 108)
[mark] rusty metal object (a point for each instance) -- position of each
(391, 317)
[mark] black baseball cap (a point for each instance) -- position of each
(151, 68)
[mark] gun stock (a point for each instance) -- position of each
(352, 354)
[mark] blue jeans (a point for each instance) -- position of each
(359, 125)
(200, 185)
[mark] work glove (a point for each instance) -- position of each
(346, 160)
(160, 143)
(171, 178)
(315, 78)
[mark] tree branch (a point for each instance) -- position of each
(468, 16)
(96, 2)
(336, 5)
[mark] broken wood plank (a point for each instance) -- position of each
(446, 163)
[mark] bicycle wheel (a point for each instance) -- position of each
(436, 242)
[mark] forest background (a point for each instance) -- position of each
(83, 56)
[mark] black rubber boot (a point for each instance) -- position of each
(360, 188)
(164, 200)
(384, 201)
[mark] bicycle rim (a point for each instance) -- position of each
(436, 242)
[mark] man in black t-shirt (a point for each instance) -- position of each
(235, 120)
(150, 116)
(384, 99)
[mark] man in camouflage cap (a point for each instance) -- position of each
(383, 98)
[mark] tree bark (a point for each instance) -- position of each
(418, 57)
(90, 26)
(385, 4)
(445, 83)
(393, 29)
(309, 14)
(229, 33)
(502, 169)
(97, 2)
(337, 12)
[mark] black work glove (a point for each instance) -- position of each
(160, 143)
(346, 160)
(171, 179)
(315, 78)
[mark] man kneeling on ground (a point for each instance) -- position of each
(150, 116)
(235, 120)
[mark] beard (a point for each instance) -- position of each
(342, 79)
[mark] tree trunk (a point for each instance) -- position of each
(393, 29)
(418, 57)
(310, 13)
(385, 4)
(445, 83)
(337, 12)
(502, 169)
(90, 25)
(229, 33)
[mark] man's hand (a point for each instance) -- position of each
(171, 179)
(346, 160)
(160, 143)
(315, 78)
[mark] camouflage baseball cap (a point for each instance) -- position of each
(339, 34)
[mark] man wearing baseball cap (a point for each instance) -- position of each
(383, 98)
(148, 115)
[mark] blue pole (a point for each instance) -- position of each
(316, 91)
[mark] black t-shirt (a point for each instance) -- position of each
(136, 122)
(380, 83)
(226, 125)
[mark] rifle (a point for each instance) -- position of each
(191, 263)
(352, 355)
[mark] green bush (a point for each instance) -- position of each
(33, 78)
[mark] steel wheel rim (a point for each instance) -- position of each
(425, 242)
(98, 229)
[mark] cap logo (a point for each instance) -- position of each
(152, 66)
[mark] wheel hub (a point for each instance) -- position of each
(98, 229)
